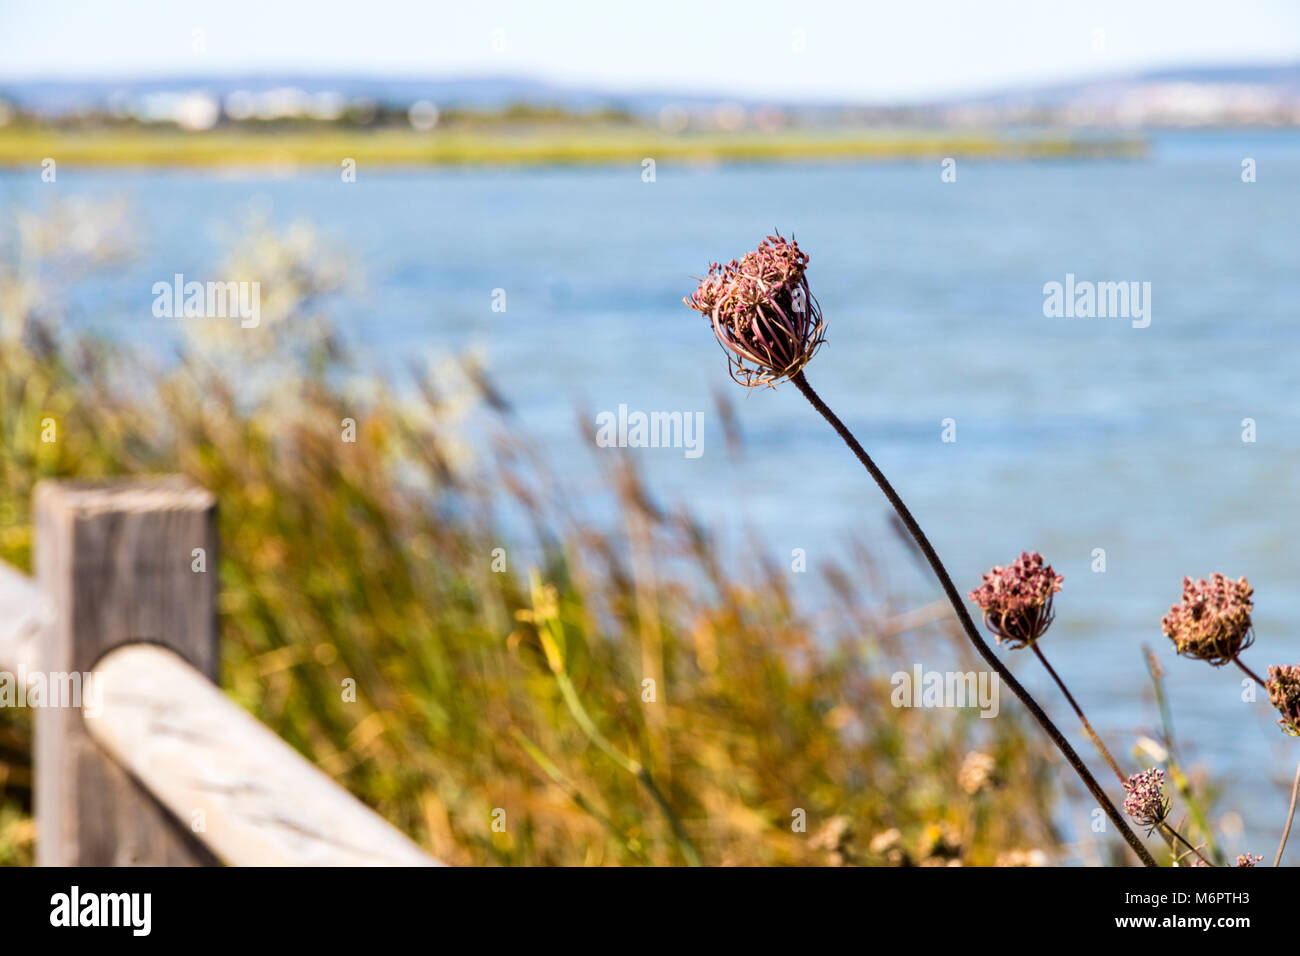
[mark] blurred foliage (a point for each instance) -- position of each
(524, 144)
(478, 690)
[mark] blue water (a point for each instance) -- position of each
(1072, 434)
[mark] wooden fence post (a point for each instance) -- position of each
(117, 561)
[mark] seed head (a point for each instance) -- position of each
(1213, 621)
(1017, 600)
(762, 312)
(1146, 801)
(1284, 693)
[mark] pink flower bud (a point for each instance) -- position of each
(1283, 686)
(1213, 621)
(1017, 600)
(1146, 802)
(762, 312)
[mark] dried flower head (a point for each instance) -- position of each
(1248, 859)
(762, 312)
(1146, 801)
(1284, 693)
(1017, 600)
(1213, 621)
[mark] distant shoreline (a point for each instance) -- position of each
(27, 146)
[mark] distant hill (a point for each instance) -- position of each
(1191, 96)
(55, 97)
(1182, 96)
(1284, 79)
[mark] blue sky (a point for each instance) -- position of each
(798, 50)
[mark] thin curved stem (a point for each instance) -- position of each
(1183, 840)
(972, 632)
(1250, 673)
(1290, 815)
(1087, 727)
(1166, 831)
(547, 619)
(1172, 762)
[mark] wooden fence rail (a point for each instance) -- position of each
(139, 758)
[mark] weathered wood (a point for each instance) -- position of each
(114, 561)
(24, 613)
(253, 799)
(151, 764)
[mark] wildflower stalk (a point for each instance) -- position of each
(964, 618)
(1290, 816)
(1087, 727)
(558, 777)
(1166, 831)
(545, 617)
(1172, 763)
(1248, 672)
(1166, 828)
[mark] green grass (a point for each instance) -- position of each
(26, 146)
